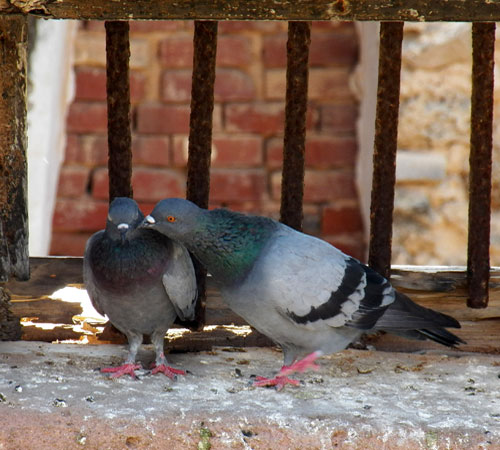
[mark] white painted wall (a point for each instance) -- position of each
(365, 86)
(50, 92)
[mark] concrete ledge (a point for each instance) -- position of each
(53, 398)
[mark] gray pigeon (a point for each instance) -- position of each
(300, 291)
(141, 280)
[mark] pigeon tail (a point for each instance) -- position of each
(405, 318)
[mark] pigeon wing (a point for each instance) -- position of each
(315, 285)
(88, 273)
(179, 281)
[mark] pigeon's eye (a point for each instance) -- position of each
(171, 218)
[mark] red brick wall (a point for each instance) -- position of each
(248, 127)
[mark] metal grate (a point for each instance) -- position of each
(13, 223)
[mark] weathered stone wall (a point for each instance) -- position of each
(431, 205)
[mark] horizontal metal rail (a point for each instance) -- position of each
(367, 10)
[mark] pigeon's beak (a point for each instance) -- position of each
(148, 221)
(123, 228)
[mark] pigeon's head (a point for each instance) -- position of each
(176, 218)
(124, 216)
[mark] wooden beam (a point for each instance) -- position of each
(441, 288)
(373, 10)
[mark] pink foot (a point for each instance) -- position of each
(279, 381)
(167, 370)
(302, 364)
(125, 369)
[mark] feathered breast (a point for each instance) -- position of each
(117, 266)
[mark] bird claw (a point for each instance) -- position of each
(280, 381)
(302, 364)
(167, 370)
(125, 369)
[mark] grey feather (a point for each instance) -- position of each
(298, 290)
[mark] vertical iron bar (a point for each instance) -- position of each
(118, 97)
(202, 106)
(200, 134)
(14, 259)
(297, 75)
(385, 146)
(478, 249)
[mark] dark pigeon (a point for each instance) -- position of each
(300, 291)
(141, 280)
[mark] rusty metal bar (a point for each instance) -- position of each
(481, 145)
(118, 96)
(297, 76)
(202, 105)
(13, 143)
(371, 10)
(200, 133)
(385, 146)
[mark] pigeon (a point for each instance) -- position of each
(300, 291)
(141, 280)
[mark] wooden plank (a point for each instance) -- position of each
(375, 10)
(13, 143)
(441, 288)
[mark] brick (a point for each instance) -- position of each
(231, 185)
(90, 50)
(152, 185)
(148, 184)
(69, 244)
(322, 152)
(325, 84)
(333, 26)
(339, 47)
(176, 51)
(91, 84)
(180, 151)
(234, 51)
(274, 50)
(227, 151)
(87, 117)
(339, 118)
(266, 119)
(233, 85)
(341, 220)
(230, 85)
(151, 26)
(73, 181)
(89, 151)
(154, 118)
(176, 86)
(235, 151)
(261, 118)
(321, 186)
(82, 215)
(151, 150)
(92, 25)
(264, 27)
(333, 49)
